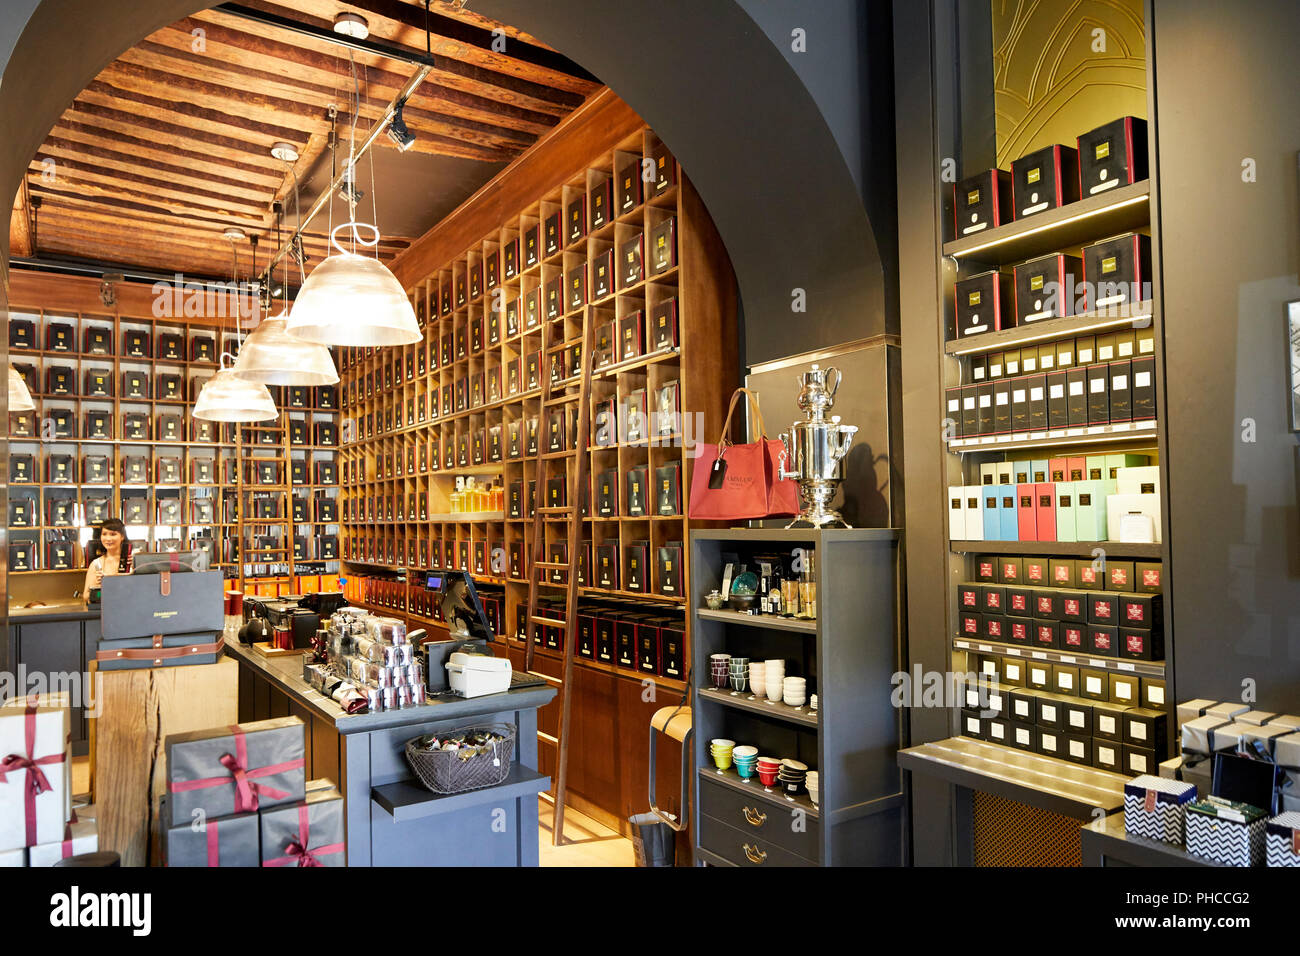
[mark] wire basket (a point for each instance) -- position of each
(455, 771)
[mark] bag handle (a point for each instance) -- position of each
(724, 442)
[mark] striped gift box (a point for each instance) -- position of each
(1155, 808)
(1229, 833)
(1282, 840)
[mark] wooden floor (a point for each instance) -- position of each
(587, 843)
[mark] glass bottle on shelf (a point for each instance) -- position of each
(808, 586)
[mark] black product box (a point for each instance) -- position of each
(1144, 727)
(971, 725)
(1011, 672)
(668, 495)
(672, 644)
(135, 343)
(668, 569)
(1141, 643)
(1047, 178)
(171, 428)
(1143, 396)
(326, 434)
(1076, 749)
(575, 285)
(1046, 634)
(992, 599)
(983, 303)
(60, 555)
(22, 424)
(1050, 742)
(203, 348)
(60, 469)
(636, 566)
(630, 265)
(663, 246)
(1086, 576)
(97, 510)
(1071, 606)
(1119, 575)
(1035, 570)
(22, 512)
(1117, 271)
(994, 627)
(326, 473)
(1076, 400)
(1101, 640)
(1098, 394)
(606, 638)
(99, 383)
(1015, 630)
(171, 346)
(135, 509)
(1051, 710)
(625, 650)
(1058, 408)
(22, 334)
(169, 471)
(602, 275)
(1022, 735)
(1141, 760)
(1036, 385)
(169, 511)
(298, 508)
(61, 512)
(135, 470)
(556, 492)
(969, 410)
(1121, 403)
(969, 596)
(59, 337)
(298, 396)
(663, 325)
(135, 384)
(65, 422)
(986, 569)
(297, 433)
(327, 397)
(631, 336)
(1038, 675)
(600, 201)
(1140, 610)
(1107, 755)
(1108, 720)
(952, 411)
(22, 556)
(586, 646)
(1148, 577)
(1045, 287)
(1112, 155)
(1002, 408)
(981, 202)
(637, 492)
(298, 472)
(60, 380)
(607, 566)
(575, 219)
(1124, 688)
(1077, 716)
(1019, 389)
(1011, 570)
(984, 416)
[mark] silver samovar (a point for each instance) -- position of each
(815, 450)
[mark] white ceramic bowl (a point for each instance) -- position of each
(745, 751)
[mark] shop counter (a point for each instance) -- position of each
(391, 819)
(1104, 842)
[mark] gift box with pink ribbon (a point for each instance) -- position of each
(211, 841)
(306, 833)
(236, 769)
(80, 835)
(35, 772)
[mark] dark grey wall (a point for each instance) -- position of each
(1226, 91)
(758, 144)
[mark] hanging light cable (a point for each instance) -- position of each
(352, 299)
(272, 356)
(226, 397)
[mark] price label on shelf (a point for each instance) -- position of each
(1095, 429)
(1038, 655)
(986, 648)
(1004, 438)
(1036, 436)
(1013, 651)
(1097, 663)
(1067, 658)
(1073, 432)
(986, 441)
(1127, 666)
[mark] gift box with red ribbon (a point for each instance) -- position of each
(35, 772)
(80, 835)
(215, 841)
(306, 833)
(236, 769)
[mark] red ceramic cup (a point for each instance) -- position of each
(767, 775)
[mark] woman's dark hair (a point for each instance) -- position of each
(97, 548)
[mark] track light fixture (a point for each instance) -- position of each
(402, 137)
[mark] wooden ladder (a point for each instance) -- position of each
(245, 491)
(576, 463)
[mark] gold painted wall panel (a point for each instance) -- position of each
(1054, 78)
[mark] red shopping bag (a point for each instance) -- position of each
(739, 482)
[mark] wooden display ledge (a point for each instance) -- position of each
(1046, 782)
(139, 709)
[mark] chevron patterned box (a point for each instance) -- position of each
(1282, 840)
(1154, 808)
(1229, 833)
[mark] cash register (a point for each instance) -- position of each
(468, 633)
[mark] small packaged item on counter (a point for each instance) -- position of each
(1282, 840)
(308, 832)
(349, 698)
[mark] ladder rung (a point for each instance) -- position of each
(557, 509)
(553, 565)
(548, 620)
(562, 400)
(547, 456)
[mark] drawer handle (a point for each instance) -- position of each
(755, 854)
(754, 817)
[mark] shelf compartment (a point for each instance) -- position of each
(409, 801)
(1141, 668)
(1045, 782)
(769, 621)
(756, 790)
(1050, 329)
(1077, 435)
(1124, 209)
(1079, 549)
(750, 704)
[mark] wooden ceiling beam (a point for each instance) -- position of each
(57, 146)
(195, 161)
(286, 68)
(99, 196)
(452, 62)
(465, 15)
(126, 211)
(288, 47)
(146, 187)
(145, 258)
(21, 234)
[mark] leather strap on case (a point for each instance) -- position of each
(165, 581)
(157, 653)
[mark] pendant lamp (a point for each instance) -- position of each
(350, 299)
(271, 356)
(20, 399)
(226, 397)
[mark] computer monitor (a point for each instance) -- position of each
(461, 609)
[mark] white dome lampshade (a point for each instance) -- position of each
(271, 356)
(20, 399)
(353, 300)
(227, 398)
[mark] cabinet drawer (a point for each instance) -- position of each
(754, 816)
(744, 849)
